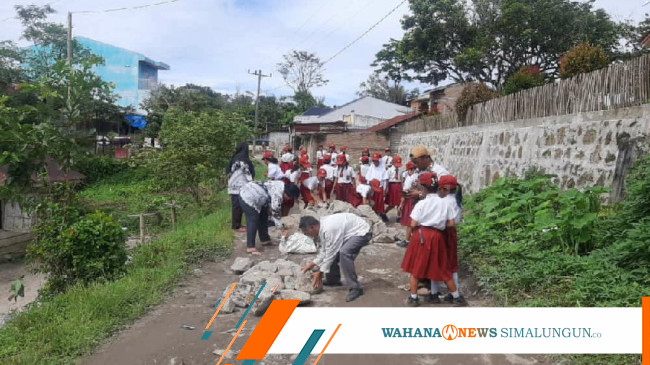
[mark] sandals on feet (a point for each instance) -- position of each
(254, 252)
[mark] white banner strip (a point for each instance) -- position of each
(465, 331)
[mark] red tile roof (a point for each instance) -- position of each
(394, 121)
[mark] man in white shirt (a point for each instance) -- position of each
(421, 157)
(341, 238)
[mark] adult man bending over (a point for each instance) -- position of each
(341, 238)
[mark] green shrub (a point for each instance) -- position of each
(74, 248)
(473, 93)
(582, 58)
(97, 168)
(527, 77)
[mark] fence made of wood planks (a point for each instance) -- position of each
(617, 86)
(432, 123)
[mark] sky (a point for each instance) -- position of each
(216, 42)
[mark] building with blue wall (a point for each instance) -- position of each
(133, 74)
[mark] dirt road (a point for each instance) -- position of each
(159, 339)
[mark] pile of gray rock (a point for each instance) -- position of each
(381, 233)
(284, 280)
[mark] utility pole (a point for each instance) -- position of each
(259, 75)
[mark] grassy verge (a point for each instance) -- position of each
(70, 325)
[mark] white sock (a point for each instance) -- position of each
(414, 296)
(434, 287)
(455, 277)
(455, 294)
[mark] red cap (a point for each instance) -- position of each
(376, 156)
(304, 161)
(410, 165)
(332, 145)
(376, 185)
(365, 159)
(387, 149)
(427, 178)
(343, 148)
(285, 148)
(267, 154)
(303, 152)
(448, 180)
(366, 150)
(320, 146)
(397, 161)
(341, 159)
(289, 148)
(321, 173)
(327, 158)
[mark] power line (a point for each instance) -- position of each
(318, 28)
(364, 33)
(344, 22)
(125, 8)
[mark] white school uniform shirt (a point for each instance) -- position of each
(455, 211)
(274, 172)
(334, 155)
(364, 190)
(335, 229)
(439, 170)
(388, 160)
(330, 171)
(377, 172)
(364, 170)
(287, 157)
(293, 176)
(409, 181)
(319, 155)
(433, 211)
(394, 174)
(347, 176)
(311, 183)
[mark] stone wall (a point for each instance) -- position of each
(585, 149)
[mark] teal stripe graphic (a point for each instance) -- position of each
(309, 346)
(248, 362)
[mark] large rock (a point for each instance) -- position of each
(266, 266)
(290, 282)
(228, 306)
(263, 302)
(304, 297)
(379, 228)
(271, 284)
(241, 296)
(241, 264)
(383, 238)
(338, 206)
(303, 281)
(256, 278)
(367, 212)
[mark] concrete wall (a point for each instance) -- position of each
(277, 140)
(584, 149)
(355, 142)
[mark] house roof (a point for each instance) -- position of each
(155, 64)
(54, 173)
(367, 106)
(392, 122)
(425, 94)
(316, 111)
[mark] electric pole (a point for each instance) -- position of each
(259, 75)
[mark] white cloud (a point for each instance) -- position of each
(214, 43)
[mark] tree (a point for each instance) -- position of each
(302, 71)
(582, 58)
(473, 93)
(527, 77)
(379, 87)
(489, 40)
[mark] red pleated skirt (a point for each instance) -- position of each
(328, 188)
(284, 166)
(304, 191)
(427, 260)
(354, 198)
(394, 195)
(343, 191)
(319, 163)
(409, 203)
(378, 198)
(452, 248)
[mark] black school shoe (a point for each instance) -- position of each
(448, 298)
(354, 294)
(384, 217)
(332, 283)
(432, 298)
(402, 244)
(460, 302)
(412, 302)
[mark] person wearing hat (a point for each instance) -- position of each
(286, 159)
(344, 153)
(321, 175)
(394, 193)
(273, 171)
(424, 161)
(320, 153)
(407, 203)
(257, 198)
(329, 178)
(363, 187)
(450, 186)
(303, 152)
(305, 173)
(313, 185)
(426, 256)
(377, 171)
(344, 186)
(333, 154)
(364, 153)
(387, 159)
(341, 237)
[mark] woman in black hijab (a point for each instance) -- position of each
(240, 171)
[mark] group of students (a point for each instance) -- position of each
(427, 196)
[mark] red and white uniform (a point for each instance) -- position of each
(394, 195)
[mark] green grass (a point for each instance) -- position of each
(72, 324)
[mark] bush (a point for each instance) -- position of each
(527, 77)
(582, 58)
(74, 248)
(473, 93)
(97, 168)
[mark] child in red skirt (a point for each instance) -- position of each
(377, 171)
(286, 160)
(305, 173)
(394, 193)
(426, 256)
(344, 180)
(407, 203)
(329, 179)
(320, 153)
